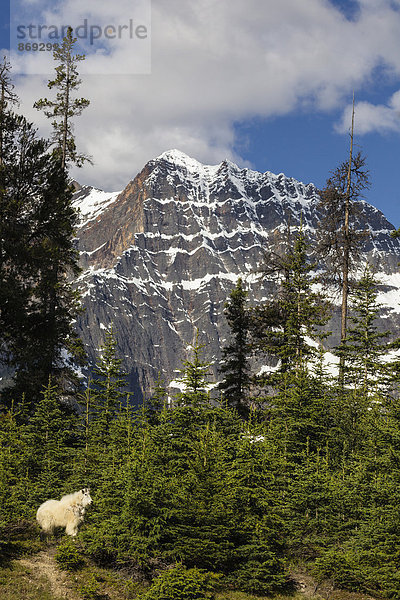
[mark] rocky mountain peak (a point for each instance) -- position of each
(161, 257)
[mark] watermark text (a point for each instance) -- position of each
(84, 31)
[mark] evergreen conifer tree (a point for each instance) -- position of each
(37, 302)
(52, 437)
(7, 98)
(340, 237)
(281, 327)
(194, 378)
(364, 346)
(109, 383)
(154, 406)
(11, 456)
(235, 365)
(304, 310)
(64, 107)
(104, 419)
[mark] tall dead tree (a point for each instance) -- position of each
(340, 235)
(346, 247)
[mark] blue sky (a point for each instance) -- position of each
(266, 84)
(4, 27)
(307, 147)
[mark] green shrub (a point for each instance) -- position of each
(181, 583)
(68, 556)
(90, 589)
(261, 576)
(338, 566)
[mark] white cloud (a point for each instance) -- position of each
(371, 117)
(215, 62)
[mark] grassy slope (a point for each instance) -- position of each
(20, 582)
(28, 571)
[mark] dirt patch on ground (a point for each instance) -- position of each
(307, 586)
(43, 565)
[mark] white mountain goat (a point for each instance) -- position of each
(68, 512)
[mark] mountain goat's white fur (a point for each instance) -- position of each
(67, 512)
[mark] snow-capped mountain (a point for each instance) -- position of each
(161, 257)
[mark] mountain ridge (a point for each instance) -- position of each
(160, 257)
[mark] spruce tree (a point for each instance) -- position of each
(281, 327)
(304, 310)
(235, 365)
(7, 98)
(290, 329)
(52, 437)
(395, 233)
(84, 457)
(300, 413)
(154, 406)
(109, 383)
(194, 378)
(64, 107)
(54, 346)
(37, 302)
(258, 564)
(105, 420)
(11, 456)
(364, 347)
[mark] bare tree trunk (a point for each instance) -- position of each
(2, 109)
(346, 248)
(65, 125)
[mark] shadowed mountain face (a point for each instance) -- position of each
(160, 258)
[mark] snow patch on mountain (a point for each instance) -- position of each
(389, 298)
(161, 257)
(91, 202)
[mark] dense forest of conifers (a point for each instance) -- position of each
(284, 467)
(306, 472)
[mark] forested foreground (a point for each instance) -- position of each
(310, 477)
(199, 492)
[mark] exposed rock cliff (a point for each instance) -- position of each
(161, 257)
